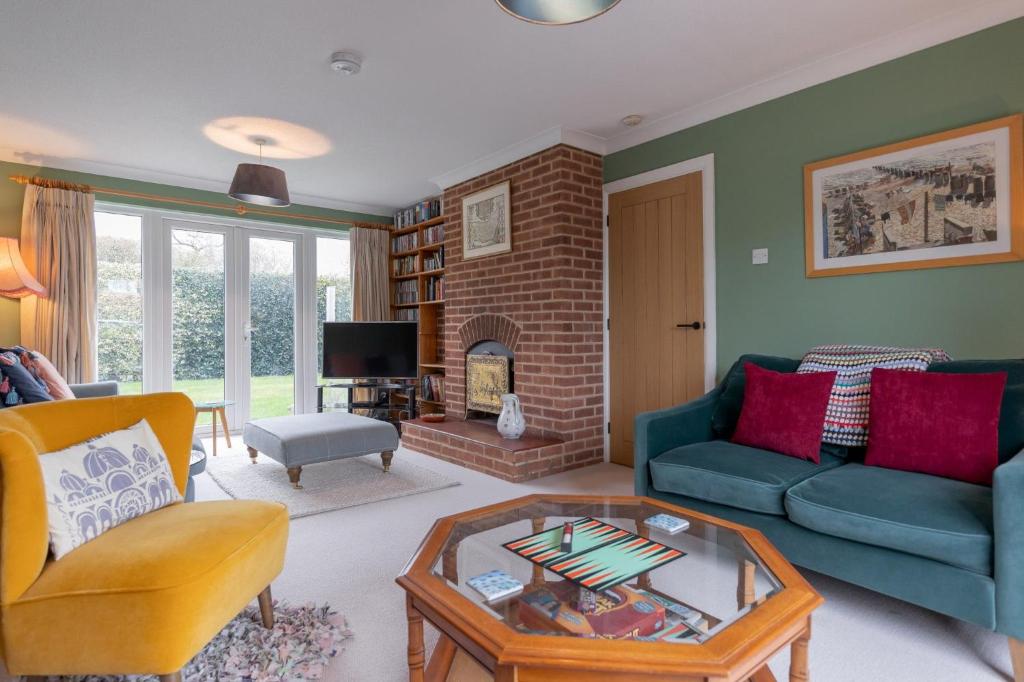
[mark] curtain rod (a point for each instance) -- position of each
(238, 208)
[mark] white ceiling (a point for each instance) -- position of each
(125, 87)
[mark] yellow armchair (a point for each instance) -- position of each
(144, 597)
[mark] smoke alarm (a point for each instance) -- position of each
(346, 63)
(632, 120)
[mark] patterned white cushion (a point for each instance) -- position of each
(101, 483)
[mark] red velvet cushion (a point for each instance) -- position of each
(934, 423)
(784, 412)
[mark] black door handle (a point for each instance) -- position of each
(692, 325)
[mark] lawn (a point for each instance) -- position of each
(271, 396)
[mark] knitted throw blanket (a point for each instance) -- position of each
(846, 419)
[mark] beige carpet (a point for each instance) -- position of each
(859, 636)
(326, 486)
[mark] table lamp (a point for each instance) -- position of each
(15, 279)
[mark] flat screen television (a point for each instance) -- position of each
(370, 350)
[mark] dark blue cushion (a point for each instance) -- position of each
(736, 475)
(28, 387)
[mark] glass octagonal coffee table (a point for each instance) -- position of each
(714, 602)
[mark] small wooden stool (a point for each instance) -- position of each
(216, 407)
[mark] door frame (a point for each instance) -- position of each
(706, 165)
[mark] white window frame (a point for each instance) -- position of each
(156, 269)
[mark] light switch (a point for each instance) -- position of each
(759, 256)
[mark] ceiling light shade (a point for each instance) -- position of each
(556, 12)
(15, 279)
(255, 183)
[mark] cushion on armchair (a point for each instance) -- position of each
(733, 475)
(94, 486)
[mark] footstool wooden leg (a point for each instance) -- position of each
(293, 476)
(252, 454)
(224, 423)
(266, 608)
(385, 459)
(173, 677)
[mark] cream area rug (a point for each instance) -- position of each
(326, 486)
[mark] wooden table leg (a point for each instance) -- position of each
(643, 581)
(745, 593)
(224, 423)
(416, 649)
(798, 666)
(537, 577)
(213, 420)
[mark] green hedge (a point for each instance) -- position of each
(198, 322)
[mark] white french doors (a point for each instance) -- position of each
(230, 310)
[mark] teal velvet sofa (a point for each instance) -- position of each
(953, 547)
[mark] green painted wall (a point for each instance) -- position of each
(975, 311)
(11, 195)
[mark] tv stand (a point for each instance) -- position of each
(408, 390)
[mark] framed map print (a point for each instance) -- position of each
(487, 222)
(953, 198)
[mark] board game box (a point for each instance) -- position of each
(602, 555)
(620, 613)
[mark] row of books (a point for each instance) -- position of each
(434, 261)
(424, 210)
(434, 234)
(407, 314)
(432, 387)
(407, 291)
(434, 288)
(406, 265)
(404, 242)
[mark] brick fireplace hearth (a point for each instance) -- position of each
(543, 302)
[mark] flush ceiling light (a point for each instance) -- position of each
(556, 12)
(285, 140)
(255, 183)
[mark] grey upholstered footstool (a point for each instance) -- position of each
(301, 439)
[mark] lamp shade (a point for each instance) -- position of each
(15, 279)
(255, 183)
(556, 12)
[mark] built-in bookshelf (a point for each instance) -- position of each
(417, 292)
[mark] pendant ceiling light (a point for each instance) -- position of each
(255, 183)
(556, 12)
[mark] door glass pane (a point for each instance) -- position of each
(197, 313)
(119, 300)
(333, 300)
(272, 320)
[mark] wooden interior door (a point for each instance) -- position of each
(656, 296)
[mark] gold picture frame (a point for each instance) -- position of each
(942, 200)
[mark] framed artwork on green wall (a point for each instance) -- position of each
(952, 198)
